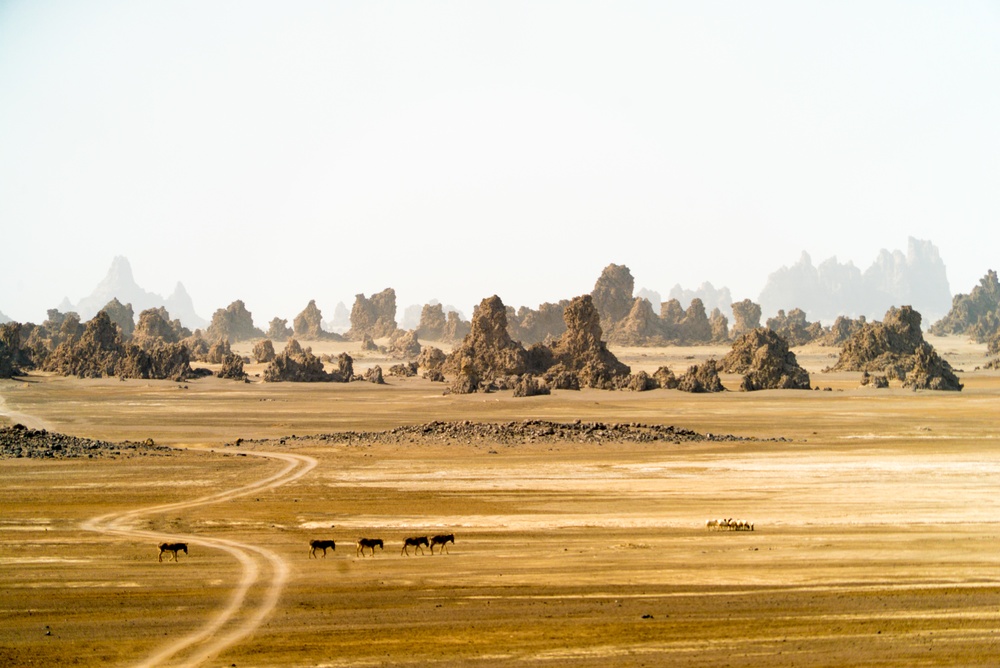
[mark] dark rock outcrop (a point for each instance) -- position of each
(665, 378)
(746, 317)
(581, 350)
(765, 361)
(897, 348)
(374, 375)
(232, 368)
(487, 352)
(531, 326)
(976, 314)
(404, 344)
(308, 325)
(701, 378)
(155, 328)
(297, 365)
(122, 315)
(794, 327)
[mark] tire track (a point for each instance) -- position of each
(261, 568)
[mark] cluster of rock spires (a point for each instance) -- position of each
(897, 349)
(567, 342)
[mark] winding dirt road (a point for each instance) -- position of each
(262, 568)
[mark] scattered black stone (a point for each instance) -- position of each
(19, 441)
(512, 433)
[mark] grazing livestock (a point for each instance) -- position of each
(369, 543)
(415, 543)
(730, 524)
(174, 548)
(321, 545)
(443, 541)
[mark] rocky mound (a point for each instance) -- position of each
(296, 365)
(163, 361)
(897, 348)
(407, 370)
(665, 378)
(14, 360)
(581, 352)
(232, 368)
(515, 433)
(218, 352)
(877, 381)
(18, 441)
(374, 317)
(374, 375)
(234, 323)
(701, 378)
(765, 361)
(976, 314)
(487, 352)
(842, 329)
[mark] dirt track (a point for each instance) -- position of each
(261, 568)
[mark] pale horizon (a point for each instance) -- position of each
(451, 151)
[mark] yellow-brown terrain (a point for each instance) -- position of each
(876, 539)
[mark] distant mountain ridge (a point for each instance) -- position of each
(120, 283)
(918, 279)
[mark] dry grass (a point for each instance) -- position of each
(876, 543)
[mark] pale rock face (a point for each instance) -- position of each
(918, 278)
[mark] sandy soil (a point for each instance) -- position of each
(876, 535)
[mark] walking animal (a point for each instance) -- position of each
(369, 543)
(173, 548)
(443, 541)
(415, 543)
(321, 545)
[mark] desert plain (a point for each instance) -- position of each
(876, 539)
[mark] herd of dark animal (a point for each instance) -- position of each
(418, 543)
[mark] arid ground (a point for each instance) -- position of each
(876, 518)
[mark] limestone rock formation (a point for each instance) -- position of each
(877, 380)
(374, 317)
(842, 329)
(795, 328)
(407, 370)
(710, 296)
(94, 355)
(694, 326)
(896, 347)
(162, 361)
(720, 326)
(218, 352)
(278, 330)
(403, 344)
(640, 382)
(432, 322)
(665, 378)
(701, 378)
(581, 350)
(374, 375)
(431, 359)
(308, 324)
(456, 329)
(976, 314)
(612, 295)
(263, 351)
(765, 361)
(529, 386)
(234, 323)
(537, 325)
(122, 315)
(13, 359)
(641, 327)
(155, 328)
(746, 317)
(487, 352)
(295, 364)
(232, 368)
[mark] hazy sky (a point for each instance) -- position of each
(285, 151)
